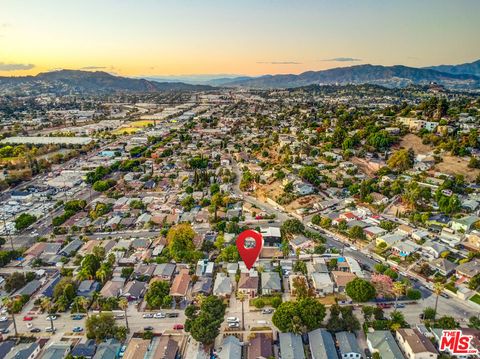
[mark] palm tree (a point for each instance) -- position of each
(46, 305)
(8, 303)
(437, 289)
(242, 297)
(84, 303)
(398, 290)
(123, 304)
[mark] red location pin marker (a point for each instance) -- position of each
(249, 255)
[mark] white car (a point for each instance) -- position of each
(3, 319)
(159, 315)
(148, 315)
(29, 325)
(232, 320)
(52, 317)
(234, 325)
(49, 329)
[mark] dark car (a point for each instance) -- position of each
(171, 315)
(368, 355)
(35, 330)
(149, 328)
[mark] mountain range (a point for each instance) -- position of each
(463, 76)
(77, 81)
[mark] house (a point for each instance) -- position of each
(134, 290)
(86, 350)
(390, 239)
(162, 347)
(113, 288)
(404, 249)
(442, 266)
(433, 249)
(86, 288)
(108, 349)
(300, 243)
(248, 284)
(202, 286)
(291, 346)
(6, 346)
(322, 344)
(271, 236)
(472, 241)
(222, 287)
(374, 232)
(260, 346)
(348, 345)
(322, 283)
(29, 289)
(56, 351)
(383, 343)
(415, 345)
(341, 279)
(469, 269)
(136, 349)
(204, 268)
(48, 290)
(180, 284)
(464, 224)
(378, 199)
(271, 283)
(144, 271)
(71, 248)
(164, 271)
(24, 351)
(231, 348)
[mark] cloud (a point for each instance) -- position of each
(279, 62)
(343, 59)
(15, 67)
(93, 68)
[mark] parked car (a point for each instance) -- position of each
(234, 325)
(232, 320)
(148, 315)
(50, 330)
(178, 327)
(267, 311)
(5, 331)
(148, 328)
(35, 330)
(400, 305)
(171, 315)
(77, 317)
(29, 325)
(27, 318)
(444, 295)
(3, 319)
(77, 330)
(52, 317)
(159, 315)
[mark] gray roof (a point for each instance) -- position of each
(29, 288)
(107, 350)
(56, 351)
(384, 342)
(164, 270)
(347, 343)
(222, 285)
(271, 280)
(291, 346)
(72, 247)
(231, 348)
(322, 344)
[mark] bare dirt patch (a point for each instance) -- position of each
(454, 165)
(413, 141)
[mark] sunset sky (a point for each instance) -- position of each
(163, 37)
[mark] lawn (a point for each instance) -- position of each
(122, 130)
(476, 299)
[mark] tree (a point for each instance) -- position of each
(301, 316)
(180, 242)
(429, 313)
(341, 319)
(446, 322)
(102, 326)
(24, 220)
(437, 289)
(123, 304)
(357, 232)
(360, 290)
(301, 288)
(47, 306)
(156, 293)
(292, 226)
(241, 296)
(90, 265)
(102, 186)
(204, 322)
(9, 304)
(391, 273)
(401, 160)
(398, 290)
(414, 294)
(367, 311)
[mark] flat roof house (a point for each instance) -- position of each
(322, 344)
(415, 345)
(348, 345)
(383, 343)
(291, 346)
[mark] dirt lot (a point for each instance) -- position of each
(273, 190)
(453, 165)
(413, 141)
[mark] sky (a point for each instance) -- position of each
(249, 37)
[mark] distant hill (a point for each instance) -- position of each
(472, 68)
(389, 76)
(76, 81)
